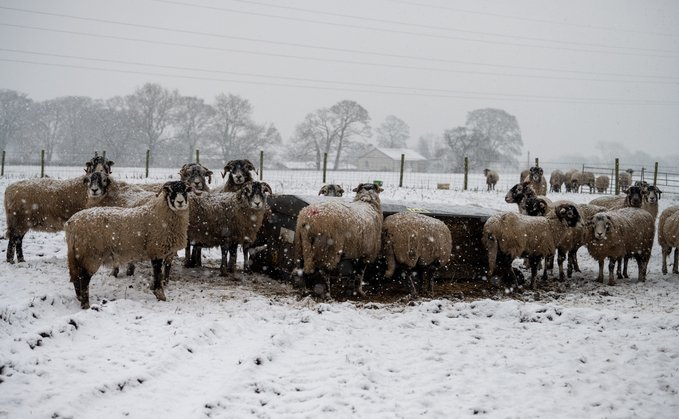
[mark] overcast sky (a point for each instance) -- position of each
(574, 73)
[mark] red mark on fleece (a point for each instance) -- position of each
(312, 212)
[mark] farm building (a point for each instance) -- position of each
(389, 160)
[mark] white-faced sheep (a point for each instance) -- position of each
(556, 179)
(588, 179)
(518, 235)
(619, 233)
(668, 237)
(331, 230)
(602, 183)
(43, 205)
(331, 190)
(625, 179)
(491, 178)
(193, 174)
(99, 164)
(227, 220)
(239, 174)
(537, 180)
(420, 244)
(651, 197)
(573, 180)
(587, 212)
(116, 236)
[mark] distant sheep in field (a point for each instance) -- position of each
(418, 243)
(116, 236)
(239, 174)
(331, 190)
(556, 179)
(332, 230)
(588, 179)
(625, 179)
(573, 181)
(668, 237)
(491, 178)
(602, 183)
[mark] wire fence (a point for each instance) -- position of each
(414, 174)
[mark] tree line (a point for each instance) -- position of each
(172, 127)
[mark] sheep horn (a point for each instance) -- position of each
(323, 190)
(251, 165)
(266, 185)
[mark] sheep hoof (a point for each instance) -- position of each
(20, 260)
(10, 261)
(160, 294)
(130, 270)
(114, 272)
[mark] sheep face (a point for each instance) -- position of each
(485, 172)
(99, 164)
(518, 192)
(569, 215)
(601, 225)
(653, 194)
(97, 184)
(239, 171)
(635, 196)
(194, 174)
(254, 194)
(176, 195)
(536, 174)
(536, 207)
(331, 190)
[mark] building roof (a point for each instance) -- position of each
(395, 153)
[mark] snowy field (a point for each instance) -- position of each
(251, 347)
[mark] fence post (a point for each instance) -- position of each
(148, 153)
(261, 165)
(325, 164)
(466, 172)
(403, 160)
(198, 156)
(42, 164)
(655, 174)
(617, 170)
(643, 169)
(3, 164)
(96, 154)
(104, 154)
(537, 162)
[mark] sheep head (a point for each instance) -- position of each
(239, 171)
(569, 215)
(518, 192)
(331, 190)
(97, 184)
(253, 194)
(194, 174)
(653, 194)
(368, 192)
(536, 174)
(635, 196)
(176, 195)
(485, 172)
(99, 164)
(601, 225)
(536, 207)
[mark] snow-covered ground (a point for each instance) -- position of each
(252, 347)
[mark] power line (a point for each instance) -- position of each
(396, 23)
(436, 60)
(516, 98)
(334, 24)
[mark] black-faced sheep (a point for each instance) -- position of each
(619, 233)
(108, 192)
(419, 243)
(651, 197)
(536, 180)
(518, 235)
(227, 220)
(43, 205)
(588, 179)
(634, 197)
(520, 193)
(99, 164)
(556, 179)
(331, 190)
(116, 236)
(602, 183)
(332, 230)
(239, 174)
(491, 178)
(625, 179)
(668, 237)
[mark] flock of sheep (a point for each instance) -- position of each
(113, 223)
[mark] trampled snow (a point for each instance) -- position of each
(253, 347)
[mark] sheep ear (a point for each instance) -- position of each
(379, 189)
(323, 190)
(86, 180)
(341, 191)
(357, 188)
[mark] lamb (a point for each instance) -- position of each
(556, 179)
(588, 179)
(331, 190)
(602, 183)
(331, 230)
(193, 174)
(619, 233)
(239, 174)
(491, 178)
(537, 180)
(99, 164)
(115, 236)
(533, 237)
(43, 205)
(668, 237)
(227, 220)
(412, 239)
(573, 180)
(625, 179)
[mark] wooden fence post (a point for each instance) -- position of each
(537, 162)
(3, 164)
(198, 156)
(403, 160)
(261, 165)
(466, 172)
(617, 172)
(42, 164)
(655, 174)
(148, 153)
(325, 165)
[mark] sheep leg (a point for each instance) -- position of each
(618, 271)
(114, 272)
(666, 251)
(624, 270)
(187, 256)
(410, 283)
(197, 256)
(600, 278)
(158, 288)
(233, 255)
(561, 256)
(611, 267)
(534, 262)
(492, 257)
(168, 266)
(246, 258)
(81, 283)
(358, 282)
(642, 265)
(11, 247)
(130, 269)
(576, 267)
(675, 268)
(223, 271)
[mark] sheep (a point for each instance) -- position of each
(533, 237)
(193, 174)
(519, 193)
(412, 239)
(227, 220)
(115, 193)
(556, 179)
(573, 180)
(618, 233)
(99, 164)
(331, 230)
(239, 174)
(625, 179)
(524, 174)
(587, 212)
(115, 236)
(651, 197)
(537, 180)
(634, 197)
(567, 179)
(43, 205)
(491, 178)
(588, 179)
(602, 183)
(668, 237)
(331, 190)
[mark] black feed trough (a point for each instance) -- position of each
(469, 259)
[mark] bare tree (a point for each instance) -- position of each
(498, 132)
(14, 109)
(77, 129)
(349, 120)
(150, 109)
(393, 133)
(315, 133)
(192, 119)
(462, 143)
(46, 127)
(115, 131)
